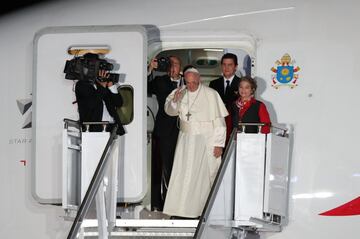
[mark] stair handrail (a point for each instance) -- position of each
(93, 186)
(216, 185)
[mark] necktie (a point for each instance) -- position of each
(227, 88)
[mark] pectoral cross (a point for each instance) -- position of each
(188, 115)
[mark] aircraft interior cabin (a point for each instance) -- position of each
(207, 61)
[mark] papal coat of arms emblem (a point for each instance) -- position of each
(285, 72)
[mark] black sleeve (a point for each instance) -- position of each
(105, 93)
(234, 115)
(211, 85)
(152, 88)
(116, 99)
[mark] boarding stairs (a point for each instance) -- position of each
(96, 213)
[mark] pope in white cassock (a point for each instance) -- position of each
(199, 147)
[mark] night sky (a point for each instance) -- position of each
(13, 6)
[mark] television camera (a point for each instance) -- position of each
(87, 67)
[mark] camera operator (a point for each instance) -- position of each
(165, 132)
(97, 101)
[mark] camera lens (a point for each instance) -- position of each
(106, 66)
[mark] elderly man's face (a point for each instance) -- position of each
(192, 81)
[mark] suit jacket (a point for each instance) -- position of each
(165, 125)
(90, 104)
(219, 86)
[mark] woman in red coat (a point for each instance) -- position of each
(246, 109)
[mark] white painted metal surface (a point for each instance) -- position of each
(127, 52)
(71, 168)
(249, 177)
(93, 145)
(276, 175)
(146, 223)
(261, 179)
(321, 36)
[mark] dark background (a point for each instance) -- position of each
(12, 6)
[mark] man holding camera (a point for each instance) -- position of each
(98, 100)
(165, 132)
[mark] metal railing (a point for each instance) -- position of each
(283, 131)
(217, 182)
(93, 186)
(242, 126)
(71, 165)
(209, 220)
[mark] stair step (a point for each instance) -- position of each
(145, 233)
(135, 228)
(143, 223)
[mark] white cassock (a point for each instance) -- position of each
(195, 165)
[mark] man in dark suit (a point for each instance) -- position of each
(227, 85)
(97, 101)
(165, 132)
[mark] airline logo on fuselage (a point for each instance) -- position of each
(24, 106)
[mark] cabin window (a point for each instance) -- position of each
(126, 111)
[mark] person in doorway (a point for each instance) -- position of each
(165, 132)
(98, 100)
(199, 148)
(247, 109)
(227, 84)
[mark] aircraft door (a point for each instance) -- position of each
(54, 99)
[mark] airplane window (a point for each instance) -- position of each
(207, 62)
(126, 111)
(212, 62)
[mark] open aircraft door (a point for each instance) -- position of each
(54, 100)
